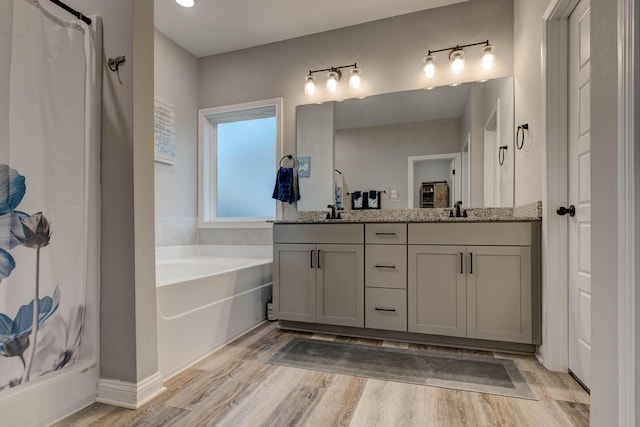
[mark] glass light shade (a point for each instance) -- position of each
(488, 57)
(430, 66)
(186, 3)
(457, 61)
(332, 81)
(354, 81)
(310, 86)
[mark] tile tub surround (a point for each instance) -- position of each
(529, 212)
(176, 231)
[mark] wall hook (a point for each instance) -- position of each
(501, 151)
(520, 141)
(114, 63)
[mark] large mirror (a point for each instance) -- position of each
(413, 149)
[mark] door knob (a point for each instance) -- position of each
(571, 210)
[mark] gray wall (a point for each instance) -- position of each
(176, 81)
(376, 158)
(604, 170)
(527, 67)
(390, 53)
(127, 289)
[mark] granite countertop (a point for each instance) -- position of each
(530, 212)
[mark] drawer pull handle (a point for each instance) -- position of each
(386, 234)
(312, 258)
(385, 266)
(319, 266)
(385, 309)
(461, 262)
(471, 262)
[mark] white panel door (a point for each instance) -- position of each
(580, 193)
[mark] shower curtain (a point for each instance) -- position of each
(49, 137)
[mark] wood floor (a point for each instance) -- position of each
(235, 387)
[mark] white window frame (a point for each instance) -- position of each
(207, 167)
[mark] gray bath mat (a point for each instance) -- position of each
(461, 372)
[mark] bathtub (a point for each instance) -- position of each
(206, 297)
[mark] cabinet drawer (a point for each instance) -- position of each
(482, 233)
(386, 266)
(318, 233)
(386, 309)
(386, 234)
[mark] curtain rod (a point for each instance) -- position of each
(72, 11)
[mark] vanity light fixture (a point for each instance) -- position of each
(488, 56)
(186, 3)
(430, 66)
(354, 81)
(457, 58)
(310, 86)
(333, 77)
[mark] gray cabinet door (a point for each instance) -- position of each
(294, 282)
(437, 290)
(340, 285)
(499, 293)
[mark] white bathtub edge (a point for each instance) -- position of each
(237, 251)
(187, 365)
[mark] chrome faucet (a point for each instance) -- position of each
(332, 214)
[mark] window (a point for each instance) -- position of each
(239, 148)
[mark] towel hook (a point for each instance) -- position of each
(114, 63)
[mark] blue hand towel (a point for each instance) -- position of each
(286, 188)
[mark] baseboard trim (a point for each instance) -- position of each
(127, 394)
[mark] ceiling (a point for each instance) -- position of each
(217, 26)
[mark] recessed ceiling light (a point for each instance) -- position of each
(186, 3)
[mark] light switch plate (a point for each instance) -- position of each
(394, 194)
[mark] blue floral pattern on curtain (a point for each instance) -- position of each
(59, 344)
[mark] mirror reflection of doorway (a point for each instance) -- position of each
(491, 169)
(465, 184)
(434, 168)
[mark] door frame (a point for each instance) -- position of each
(555, 229)
(555, 232)
(412, 160)
(628, 223)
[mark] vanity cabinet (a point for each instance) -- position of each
(437, 290)
(471, 290)
(386, 276)
(455, 283)
(319, 273)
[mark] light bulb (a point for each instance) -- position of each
(457, 61)
(354, 81)
(488, 57)
(332, 81)
(310, 86)
(186, 3)
(430, 66)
